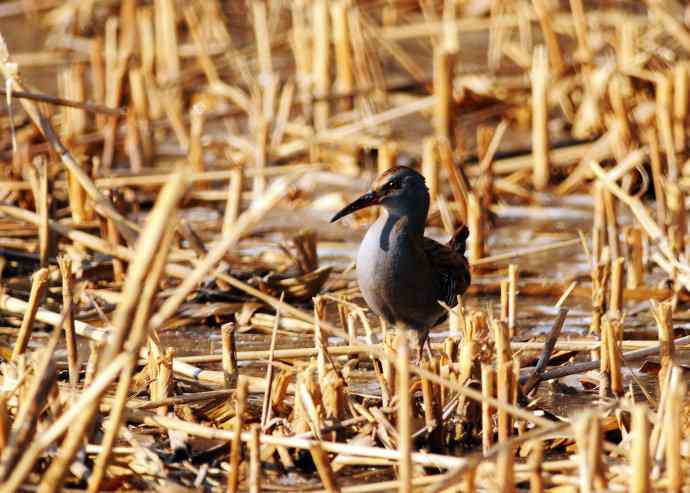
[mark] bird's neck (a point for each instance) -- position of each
(409, 223)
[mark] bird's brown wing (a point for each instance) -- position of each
(452, 267)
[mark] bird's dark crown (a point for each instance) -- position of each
(394, 173)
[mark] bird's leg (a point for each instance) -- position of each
(423, 341)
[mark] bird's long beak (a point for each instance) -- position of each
(366, 200)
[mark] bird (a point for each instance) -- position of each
(403, 275)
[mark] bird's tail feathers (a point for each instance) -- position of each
(459, 240)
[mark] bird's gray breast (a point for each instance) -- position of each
(395, 277)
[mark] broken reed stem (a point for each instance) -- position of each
(504, 374)
(635, 263)
(4, 424)
(614, 331)
(505, 287)
(229, 356)
(42, 196)
(663, 314)
(323, 467)
(234, 201)
(443, 91)
(536, 458)
(475, 222)
(673, 427)
(616, 298)
(540, 136)
(254, 480)
(236, 443)
(505, 463)
(512, 298)
(640, 458)
(165, 381)
(38, 284)
(680, 105)
(321, 63)
(404, 414)
(430, 166)
(65, 264)
(488, 390)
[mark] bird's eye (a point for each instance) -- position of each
(393, 184)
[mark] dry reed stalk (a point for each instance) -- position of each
(512, 298)
(614, 330)
(604, 360)
(640, 460)
(588, 436)
(488, 390)
(504, 300)
(665, 125)
(504, 372)
(443, 92)
(38, 286)
(229, 357)
(469, 480)
(65, 264)
(345, 82)
(195, 429)
(114, 236)
(23, 428)
(545, 356)
(101, 204)
(635, 258)
(42, 192)
(680, 105)
(584, 50)
(131, 319)
(324, 469)
(554, 50)
(476, 225)
(432, 408)
(458, 185)
(673, 416)
(663, 314)
(70, 418)
(149, 247)
(523, 252)
(611, 225)
(617, 87)
(234, 200)
(320, 339)
(236, 438)
(261, 206)
(540, 135)
(140, 105)
(600, 276)
(196, 149)
(676, 213)
(404, 414)
(165, 380)
(598, 223)
(254, 479)
(321, 63)
(387, 156)
(4, 424)
(505, 475)
(430, 166)
(615, 303)
(95, 349)
(536, 458)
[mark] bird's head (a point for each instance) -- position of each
(401, 190)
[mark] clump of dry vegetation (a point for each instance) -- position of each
(178, 314)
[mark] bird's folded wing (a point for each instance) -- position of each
(452, 267)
